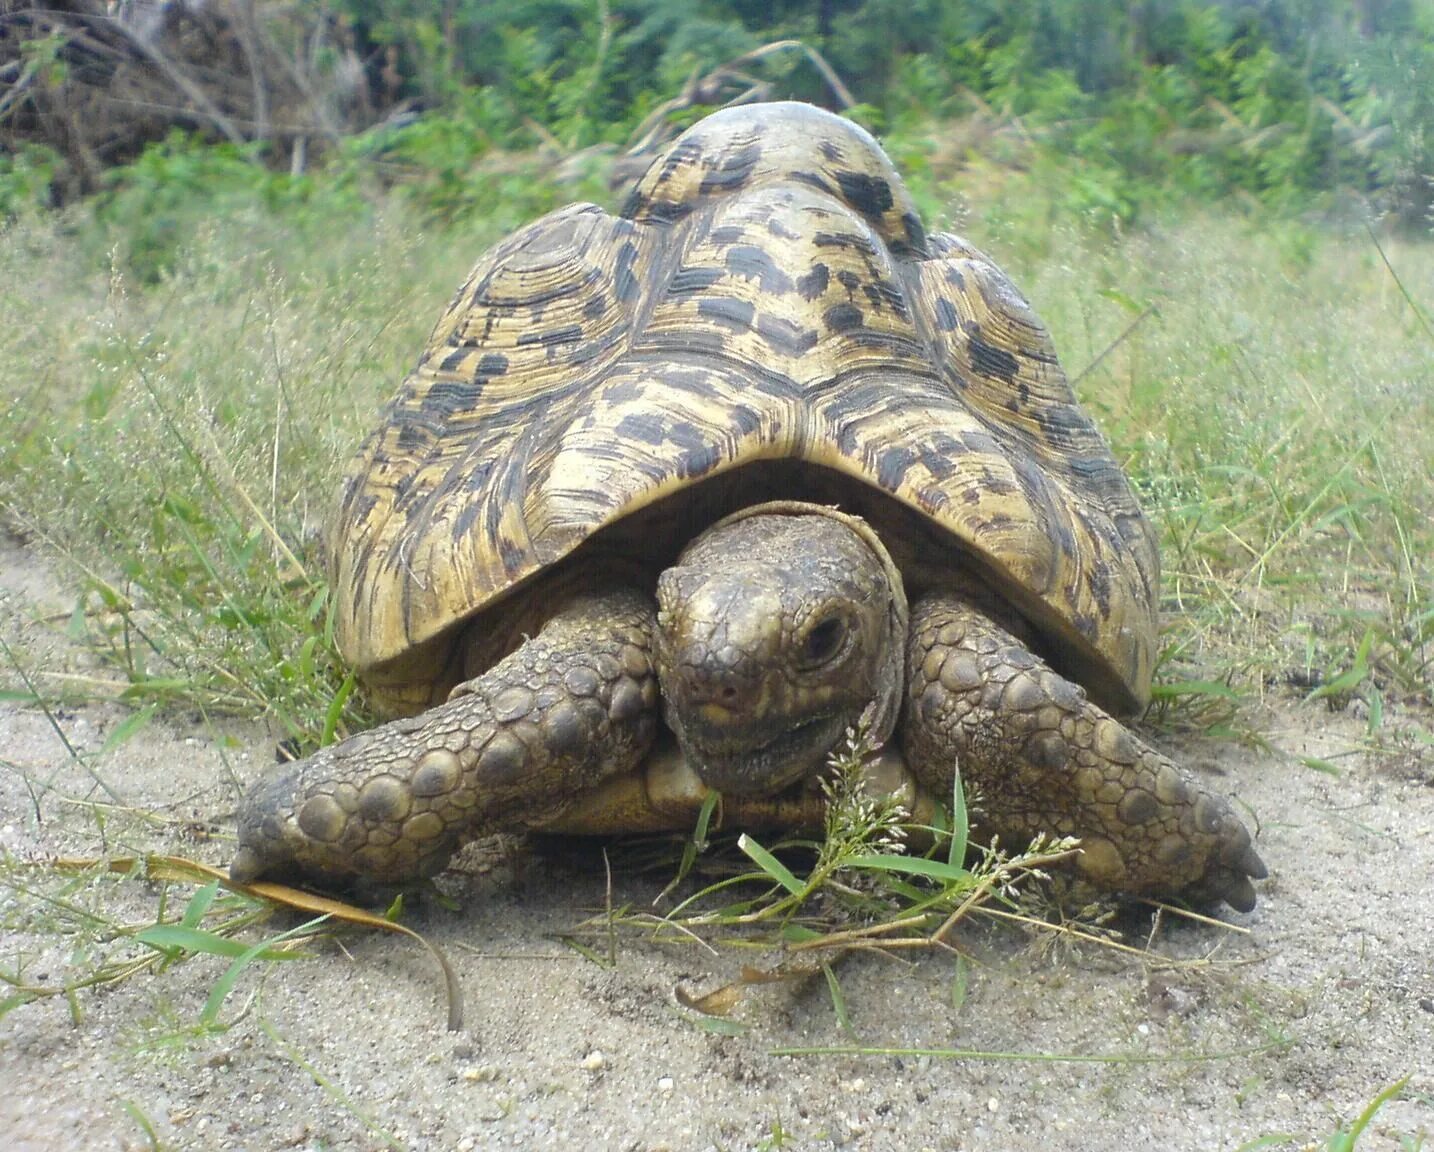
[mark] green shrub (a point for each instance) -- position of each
(152, 210)
(25, 179)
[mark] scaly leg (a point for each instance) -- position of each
(1045, 759)
(573, 706)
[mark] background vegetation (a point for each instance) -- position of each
(1277, 100)
(1298, 105)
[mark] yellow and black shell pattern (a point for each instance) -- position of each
(768, 293)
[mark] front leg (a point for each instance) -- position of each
(1045, 759)
(510, 748)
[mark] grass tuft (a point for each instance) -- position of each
(176, 446)
(855, 890)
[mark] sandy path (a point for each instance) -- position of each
(349, 1051)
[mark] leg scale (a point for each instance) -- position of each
(1045, 759)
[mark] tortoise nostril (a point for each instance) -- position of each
(701, 686)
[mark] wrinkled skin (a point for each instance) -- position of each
(771, 635)
(771, 641)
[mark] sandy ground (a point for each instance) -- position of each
(348, 1050)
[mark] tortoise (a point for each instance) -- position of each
(675, 498)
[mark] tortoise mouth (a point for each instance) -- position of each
(767, 767)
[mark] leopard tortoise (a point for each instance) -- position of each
(648, 515)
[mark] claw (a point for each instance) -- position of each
(1252, 865)
(246, 866)
(1240, 894)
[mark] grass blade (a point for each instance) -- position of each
(209, 1018)
(335, 710)
(838, 1001)
(176, 937)
(939, 870)
(770, 865)
(960, 824)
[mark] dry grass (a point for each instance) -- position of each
(176, 445)
(1276, 412)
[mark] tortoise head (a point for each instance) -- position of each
(778, 629)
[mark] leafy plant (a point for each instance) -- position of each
(861, 891)
(153, 208)
(25, 178)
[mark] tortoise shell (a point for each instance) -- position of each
(766, 318)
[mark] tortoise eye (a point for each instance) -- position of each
(823, 642)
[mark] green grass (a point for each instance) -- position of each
(1346, 1134)
(174, 444)
(1276, 413)
(108, 951)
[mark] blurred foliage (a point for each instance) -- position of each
(153, 207)
(1279, 99)
(25, 180)
(490, 109)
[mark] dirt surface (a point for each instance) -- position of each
(1324, 997)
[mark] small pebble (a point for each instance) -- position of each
(594, 1061)
(993, 1105)
(666, 1084)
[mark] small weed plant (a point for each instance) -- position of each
(862, 890)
